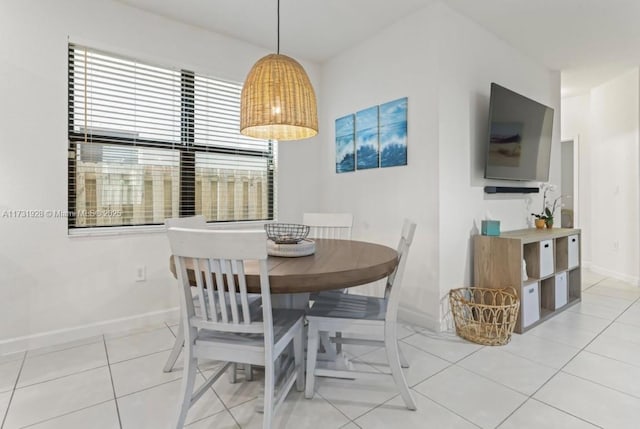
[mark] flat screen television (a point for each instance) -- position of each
(519, 142)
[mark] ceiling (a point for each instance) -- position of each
(591, 41)
(314, 30)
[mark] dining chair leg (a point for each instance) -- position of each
(298, 355)
(269, 392)
(313, 340)
(231, 373)
(329, 351)
(188, 381)
(338, 345)
(177, 348)
(393, 356)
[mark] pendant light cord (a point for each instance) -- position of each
(278, 45)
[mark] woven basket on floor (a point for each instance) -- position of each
(484, 315)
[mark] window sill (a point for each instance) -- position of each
(155, 229)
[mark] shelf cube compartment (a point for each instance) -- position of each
(573, 251)
(546, 258)
(574, 284)
(530, 304)
(561, 292)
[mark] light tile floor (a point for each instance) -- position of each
(580, 369)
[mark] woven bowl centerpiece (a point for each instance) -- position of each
(289, 240)
(286, 233)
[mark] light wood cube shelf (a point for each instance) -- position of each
(552, 260)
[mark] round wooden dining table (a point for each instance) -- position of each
(336, 264)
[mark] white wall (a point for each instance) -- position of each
(614, 190)
(607, 122)
(470, 58)
(575, 126)
(49, 281)
(444, 64)
(400, 61)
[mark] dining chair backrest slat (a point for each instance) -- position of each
(217, 259)
(198, 221)
(329, 225)
(392, 290)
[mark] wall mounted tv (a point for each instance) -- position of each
(519, 142)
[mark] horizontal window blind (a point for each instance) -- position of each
(147, 143)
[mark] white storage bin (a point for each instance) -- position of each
(530, 304)
(561, 290)
(546, 258)
(574, 251)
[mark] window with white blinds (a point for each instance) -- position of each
(148, 143)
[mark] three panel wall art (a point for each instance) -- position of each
(372, 138)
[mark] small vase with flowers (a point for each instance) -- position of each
(545, 217)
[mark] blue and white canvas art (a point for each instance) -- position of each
(345, 144)
(367, 151)
(393, 133)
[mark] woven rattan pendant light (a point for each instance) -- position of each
(278, 101)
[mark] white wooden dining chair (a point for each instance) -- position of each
(227, 328)
(198, 222)
(335, 226)
(329, 225)
(362, 315)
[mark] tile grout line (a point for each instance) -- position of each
(140, 356)
(64, 414)
(556, 373)
(555, 408)
(147, 330)
(315, 392)
(445, 359)
(450, 364)
(113, 387)
(72, 374)
(148, 388)
(351, 422)
(614, 359)
(227, 409)
(170, 330)
(13, 391)
(490, 379)
(447, 408)
(602, 385)
(637, 300)
(538, 363)
(357, 359)
(573, 310)
(567, 363)
(630, 325)
(419, 393)
(70, 347)
(60, 377)
(595, 284)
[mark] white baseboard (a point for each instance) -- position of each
(60, 336)
(614, 274)
(418, 318)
